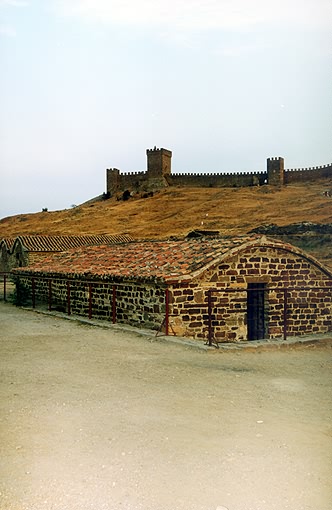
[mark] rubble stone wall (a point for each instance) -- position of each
(308, 311)
(137, 304)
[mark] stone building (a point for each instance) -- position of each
(216, 289)
(24, 250)
(6, 246)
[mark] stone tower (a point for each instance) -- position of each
(275, 171)
(112, 180)
(159, 163)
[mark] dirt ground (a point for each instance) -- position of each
(107, 419)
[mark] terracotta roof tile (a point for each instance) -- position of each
(162, 260)
(8, 242)
(41, 243)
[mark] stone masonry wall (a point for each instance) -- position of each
(19, 258)
(137, 304)
(308, 311)
(218, 180)
(308, 174)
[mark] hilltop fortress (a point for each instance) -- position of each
(159, 175)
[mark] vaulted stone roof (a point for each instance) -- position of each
(42, 243)
(172, 260)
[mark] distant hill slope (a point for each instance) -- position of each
(176, 211)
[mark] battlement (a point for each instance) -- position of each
(126, 174)
(219, 174)
(158, 175)
(308, 174)
(157, 150)
(307, 168)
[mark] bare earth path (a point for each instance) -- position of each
(99, 419)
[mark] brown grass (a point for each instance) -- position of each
(176, 211)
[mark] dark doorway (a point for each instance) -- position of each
(256, 311)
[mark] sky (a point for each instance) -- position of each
(87, 85)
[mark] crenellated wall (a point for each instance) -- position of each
(226, 180)
(158, 175)
(308, 174)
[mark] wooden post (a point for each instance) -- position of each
(285, 314)
(210, 333)
(33, 293)
(50, 295)
(68, 298)
(90, 300)
(4, 287)
(114, 305)
(166, 312)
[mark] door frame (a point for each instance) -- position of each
(256, 311)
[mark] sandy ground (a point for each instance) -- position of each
(104, 419)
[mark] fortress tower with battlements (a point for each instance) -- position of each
(159, 175)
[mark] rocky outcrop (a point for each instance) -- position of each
(303, 228)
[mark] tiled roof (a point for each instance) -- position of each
(41, 243)
(161, 260)
(8, 242)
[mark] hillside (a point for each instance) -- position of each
(176, 211)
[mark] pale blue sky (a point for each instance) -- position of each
(91, 84)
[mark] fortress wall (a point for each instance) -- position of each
(308, 174)
(158, 175)
(132, 181)
(217, 180)
(117, 181)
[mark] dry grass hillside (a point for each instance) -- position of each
(176, 211)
